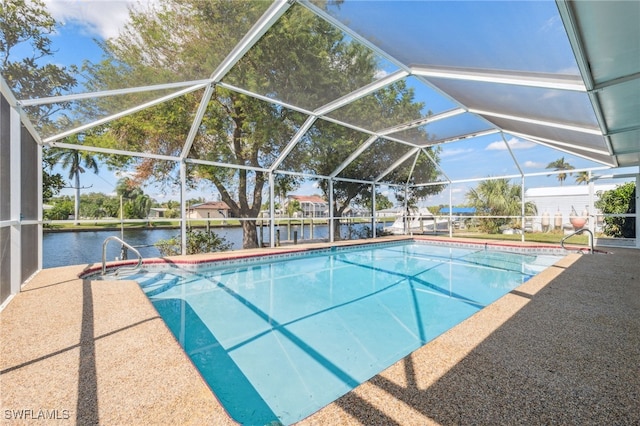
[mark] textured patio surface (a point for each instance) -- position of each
(564, 348)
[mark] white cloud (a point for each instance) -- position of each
(551, 24)
(380, 74)
(514, 143)
(101, 18)
(454, 152)
(533, 165)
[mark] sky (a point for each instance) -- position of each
(86, 21)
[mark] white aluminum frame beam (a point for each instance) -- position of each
(571, 26)
(122, 114)
(513, 157)
(113, 151)
(263, 98)
(197, 120)
(293, 142)
(270, 16)
(354, 35)
(435, 163)
(15, 210)
(353, 156)
(107, 93)
(13, 103)
(540, 80)
(397, 163)
(225, 165)
(559, 145)
(463, 137)
(406, 184)
(422, 121)
(361, 93)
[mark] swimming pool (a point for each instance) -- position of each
(276, 340)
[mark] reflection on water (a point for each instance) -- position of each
(73, 248)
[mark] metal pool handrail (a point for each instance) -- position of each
(122, 268)
(580, 231)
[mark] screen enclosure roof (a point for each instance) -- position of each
(492, 79)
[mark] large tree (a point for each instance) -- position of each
(30, 73)
(302, 60)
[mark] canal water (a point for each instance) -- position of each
(73, 248)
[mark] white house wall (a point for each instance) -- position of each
(561, 199)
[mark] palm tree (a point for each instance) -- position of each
(559, 165)
(138, 203)
(497, 197)
(582, 177)
(77, 162)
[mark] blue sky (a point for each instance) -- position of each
(89, 20)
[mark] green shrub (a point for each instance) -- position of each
(621, 200)
(197, 242)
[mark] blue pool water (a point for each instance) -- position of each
(278, 340)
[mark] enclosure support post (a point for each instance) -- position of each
(637, 214)
(40, 210)
(272, 211)
(15, 188)
(331, 227)
(593, 218)
(522, 209)
(373, 210)
(183, 207)
(406, 215)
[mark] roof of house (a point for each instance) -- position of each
(458, 210)
(308, 198)
(220, 205)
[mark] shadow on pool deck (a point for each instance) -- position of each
(563, 348)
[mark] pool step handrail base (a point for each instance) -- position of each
(577, 232)
(122, 268)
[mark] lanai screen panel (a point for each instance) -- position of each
(587, 143)
(445, 129)
(621, 104)
(190, 46)
(536, 160)
(626, 146)
(165, 130)
(477, 158)
(531, 103)
(417, 169)
(387, 108)
(323, 149)
(56, 118)
(241, 130)
(304, 61)
(376, 159)
(521, 36)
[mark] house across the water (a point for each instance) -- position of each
(209, 210)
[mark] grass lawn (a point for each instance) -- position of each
(538, 237)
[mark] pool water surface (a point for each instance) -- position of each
(278, 340)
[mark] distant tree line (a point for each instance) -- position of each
(95, 205)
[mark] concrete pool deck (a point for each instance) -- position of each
(563, 348)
